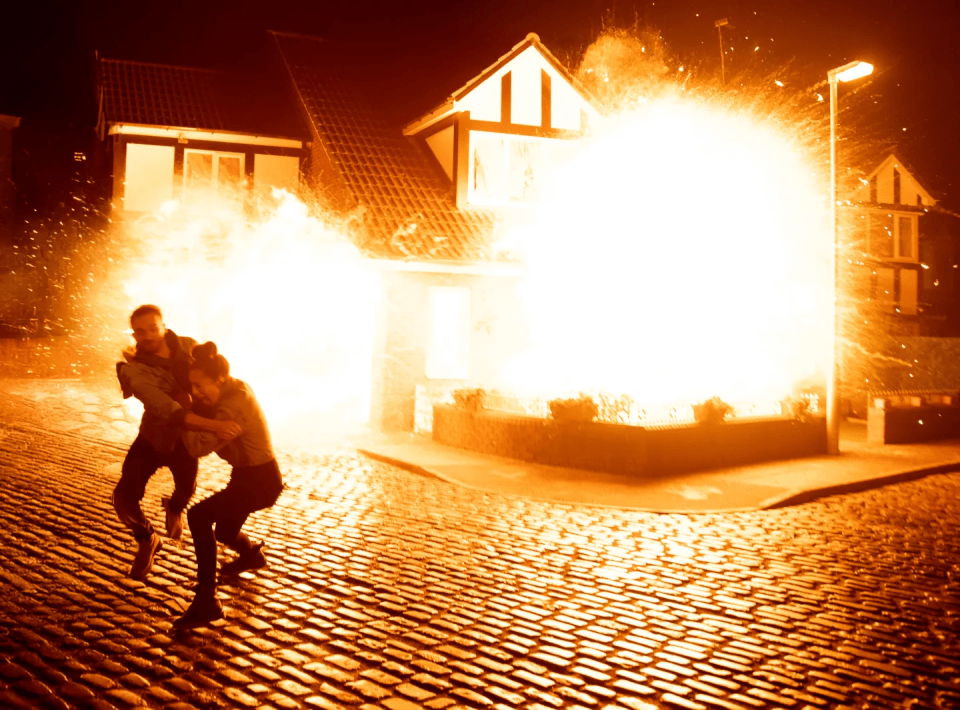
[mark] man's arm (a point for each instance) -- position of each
(207, 435)
(145, 387)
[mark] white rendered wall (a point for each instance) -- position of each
(441, 144)
(149, 177)
(280, 171)
(526, 88)
(565, 103)
(483, 102)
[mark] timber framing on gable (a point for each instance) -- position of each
(437, 118)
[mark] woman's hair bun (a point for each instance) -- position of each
(204, 357)
(204, 351)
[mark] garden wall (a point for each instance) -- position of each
(628, 450)
(912, 425)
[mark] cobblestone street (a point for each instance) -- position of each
(388, 589)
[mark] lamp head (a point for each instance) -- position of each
(850, 72)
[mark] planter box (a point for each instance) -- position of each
(911, 425)
(631, 450)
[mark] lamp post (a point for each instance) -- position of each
(718, 24)
(848, 72)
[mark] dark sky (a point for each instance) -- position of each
(432, 47)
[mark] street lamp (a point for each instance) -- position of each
(718, 24)
(848, 72)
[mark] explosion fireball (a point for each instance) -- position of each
(682, 253)
(288, 299)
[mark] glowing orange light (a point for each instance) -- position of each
(288, 299)
(683, 253)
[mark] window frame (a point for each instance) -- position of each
(217, 154)
(549, 156)
(914, 242)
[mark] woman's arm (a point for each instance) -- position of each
(203, 436)
(223, 428)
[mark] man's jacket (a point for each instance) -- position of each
(163, 387)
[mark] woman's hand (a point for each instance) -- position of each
(227, 430)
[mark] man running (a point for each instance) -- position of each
(156, 374)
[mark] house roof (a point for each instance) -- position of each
(892, 158)
(531, 40)
(406, 204)
(186, 97)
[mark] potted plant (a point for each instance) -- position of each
(469, 399)
(579, 410)
(712, 411)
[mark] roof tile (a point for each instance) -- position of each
(406, 202)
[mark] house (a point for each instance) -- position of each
(892, 211)
(184, 133)
(425, 201)
(7, 125)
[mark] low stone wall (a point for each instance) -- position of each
(912, 425)
(630, 450)
(58, 357)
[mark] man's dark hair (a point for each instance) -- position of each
(146, 310)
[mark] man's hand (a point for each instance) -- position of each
(227, 430)
(129, 353)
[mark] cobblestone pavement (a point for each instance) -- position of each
(391, 590)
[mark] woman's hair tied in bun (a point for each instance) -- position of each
(204, 357)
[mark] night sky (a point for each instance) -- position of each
(46, 49)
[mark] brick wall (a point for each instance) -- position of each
(912, 425)
(404, 330)
(615, 448)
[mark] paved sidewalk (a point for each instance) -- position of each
(769, 485)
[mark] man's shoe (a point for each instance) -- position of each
(174, 521)
(143, 561)
(204, 609)
(255, 559)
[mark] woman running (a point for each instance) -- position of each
(255, 480)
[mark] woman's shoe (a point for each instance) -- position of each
(204, 609)
(255, 559)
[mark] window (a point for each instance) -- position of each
(905, 237)
(881, 235)
(886, 297)
(448, 349)
(208, 175)
(908, 292)
(488, 174)
(892, 236)
(507, 169)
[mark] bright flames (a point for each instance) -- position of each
(289, 301)
(683, 253)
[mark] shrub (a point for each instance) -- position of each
(712, 411)
(581, 409)
(797, 407)
(469, 399)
